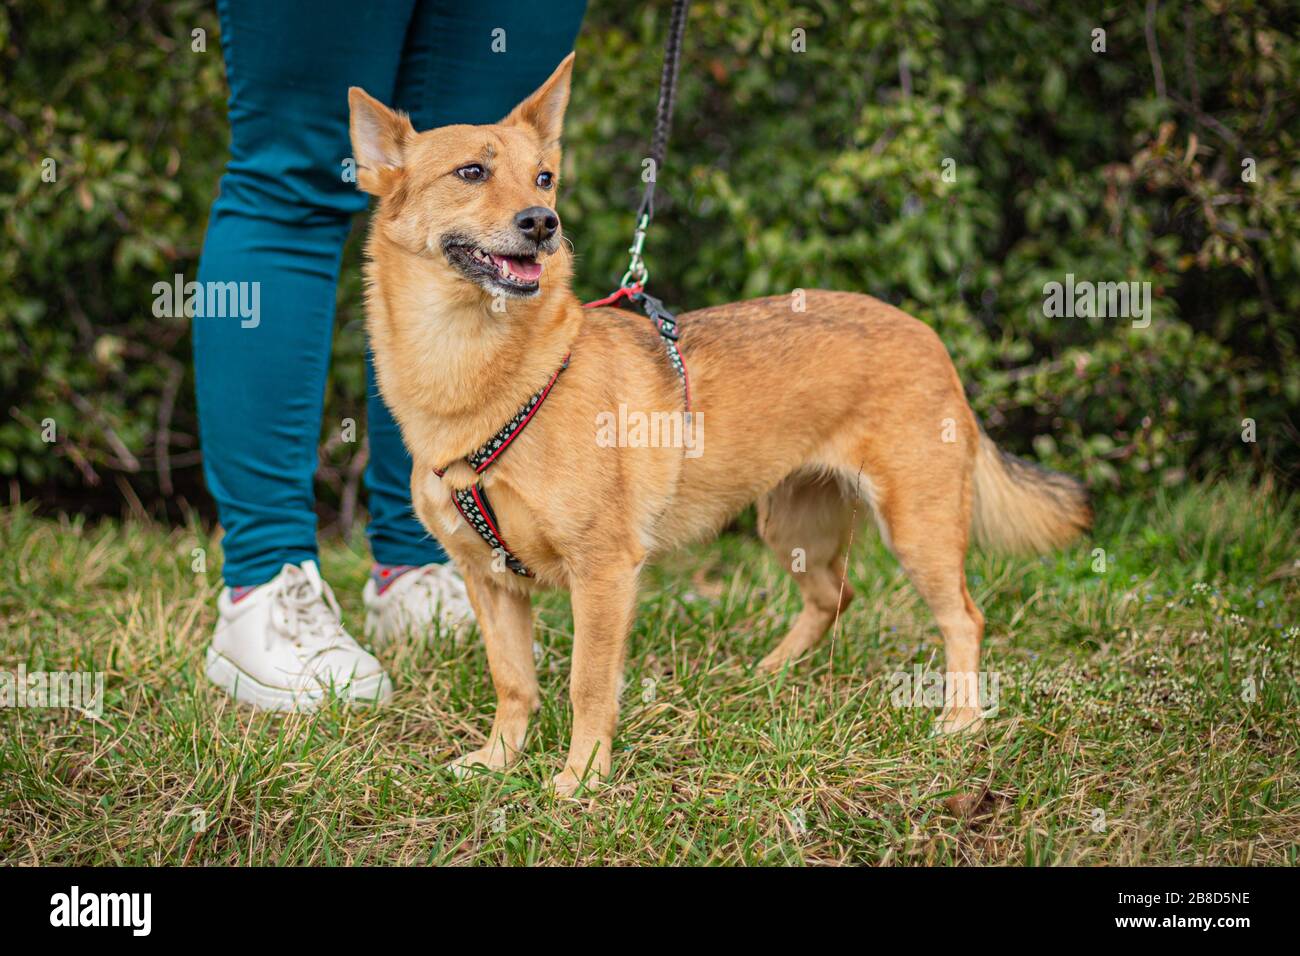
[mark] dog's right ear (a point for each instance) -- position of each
(380, 137)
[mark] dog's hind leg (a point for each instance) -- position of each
(808, 521)
(926, 521)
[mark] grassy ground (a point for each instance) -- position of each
(1126, 731)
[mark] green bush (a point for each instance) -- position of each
(950, 162)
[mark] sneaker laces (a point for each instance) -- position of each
(305, 611)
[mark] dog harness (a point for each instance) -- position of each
(472, 502)
(665, 322)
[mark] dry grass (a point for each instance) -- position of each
(1122, 735)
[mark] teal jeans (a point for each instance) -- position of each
(279, 224)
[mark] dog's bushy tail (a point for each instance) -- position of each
(1023, 508)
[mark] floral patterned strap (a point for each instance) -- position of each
(491, 450)
(472, 503)
(666, 323)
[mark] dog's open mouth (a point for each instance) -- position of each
(513, 274)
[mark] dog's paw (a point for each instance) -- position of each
(773, 662)
(958, 720)
(483, 760)
(569, 783)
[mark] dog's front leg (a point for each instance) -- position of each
(506, 621)
(604, 601)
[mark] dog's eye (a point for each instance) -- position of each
(545, 180)
(472, 173)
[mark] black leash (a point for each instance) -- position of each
(637, 274)
(632, 285)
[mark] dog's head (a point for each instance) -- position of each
(478, 201)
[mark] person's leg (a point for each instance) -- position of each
(450, 74)
(398, 542)
(281, 220)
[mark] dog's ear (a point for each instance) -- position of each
(544, 110)
(379, 140)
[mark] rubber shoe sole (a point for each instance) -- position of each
(225, 673)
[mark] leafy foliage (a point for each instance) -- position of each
(952, 162)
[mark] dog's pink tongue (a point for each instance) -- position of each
(531, 271)
(522, 268)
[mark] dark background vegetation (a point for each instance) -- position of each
(786, 170)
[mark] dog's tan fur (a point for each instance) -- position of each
(808, 413)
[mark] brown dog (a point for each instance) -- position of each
(807, 412)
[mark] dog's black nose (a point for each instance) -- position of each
(538, 223)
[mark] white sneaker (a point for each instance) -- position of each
(283, 647)
(414, 601)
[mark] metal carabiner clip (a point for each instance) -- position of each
(637, 274)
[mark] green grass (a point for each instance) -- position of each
(1123, 735)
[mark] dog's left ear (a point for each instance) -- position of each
(544, 110)
(379, 140)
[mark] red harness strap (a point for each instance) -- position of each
(623, 292)
(472, 502)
